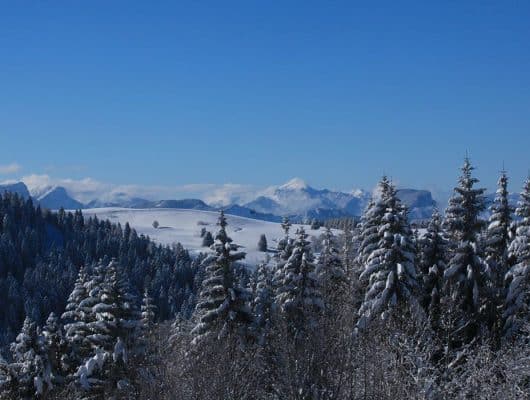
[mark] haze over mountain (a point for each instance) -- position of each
(295, 199)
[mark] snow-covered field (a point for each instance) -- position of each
(184, 226)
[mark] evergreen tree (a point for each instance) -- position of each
(114, 311)
(30, 370)
(223, 307)
(498, 231)
(516, 309)
(148, 314)
(77, 316)
(389, 268)
(285, 245)
(465, 286)
(331, 273)
(111, 329)
(432, 264)
(263, 304)
(54, 346)
(207, 239)
(262, 243)
(369, 235)
(315, 224)
(496, 251)
(297, 288)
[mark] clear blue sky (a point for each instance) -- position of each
(257, 92)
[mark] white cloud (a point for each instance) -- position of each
(230, 193)
(10, 168)
(83, 189)
(88, 189)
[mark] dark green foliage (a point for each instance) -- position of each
(42, 252)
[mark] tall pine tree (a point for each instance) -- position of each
(496, 251)
(465, 286)
(518, 277)
(30, 372)
(331, 273)
(388, 255)
(263, 303)
(432, 264)
(76, 318)
(223, 307)
(297, 287)
(285, 245)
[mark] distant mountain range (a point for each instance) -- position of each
(295, 199)
(52, 197)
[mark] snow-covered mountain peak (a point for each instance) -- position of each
(55, 197)
(294, 184)
(40, 191)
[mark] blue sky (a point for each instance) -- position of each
(176, 93)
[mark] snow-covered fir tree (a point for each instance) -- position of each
(389, 255)
(112, 329)
(298, 292)
(223, 307)
(516, 308)
(30, 372)
(497, 240)
(263, 303)
(54, 345)
(76, 318)
(432, 263)
(498, 232)
(369, 235)
(285, 245)
(148, 313)
(331, 273)
(465, 274)
(114, 311)
(101, 312)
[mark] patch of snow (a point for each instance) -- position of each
(184, 226)
(294, 184)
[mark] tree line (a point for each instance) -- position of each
(382, 311)
(43, 256)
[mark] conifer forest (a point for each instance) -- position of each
(374, 308)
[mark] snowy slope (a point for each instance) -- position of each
(184, 226)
